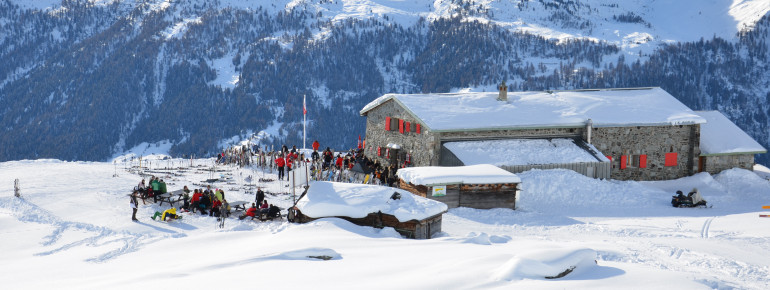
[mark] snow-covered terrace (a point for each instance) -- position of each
(606, 108)
(474, 174)
(522, 152)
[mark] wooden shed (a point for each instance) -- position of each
(481, 186)
(371, 205)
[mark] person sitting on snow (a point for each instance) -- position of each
(196, 198)
(252, 212)
(697, 199)
(169, 213)
(216, 207)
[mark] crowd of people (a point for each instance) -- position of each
(204, 201)
(347, 166)
(324, 165)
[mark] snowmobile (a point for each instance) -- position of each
(680, 200)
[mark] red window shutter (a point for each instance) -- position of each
(643, 161)
(379, 151)
(407, 127)
(609, 157)
(418, 128)
(401, 126)
(671, 159)
(623, 161)
(387, 123)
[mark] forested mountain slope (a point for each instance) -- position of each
(85, 79)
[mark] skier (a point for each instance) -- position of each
(280, 163)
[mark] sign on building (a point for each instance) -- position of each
(439, 190)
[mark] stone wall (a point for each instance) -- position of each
(420, 146)
(715, 164)
(654, 142)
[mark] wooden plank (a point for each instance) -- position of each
(764, 215)
(766, 207)
(486, 200)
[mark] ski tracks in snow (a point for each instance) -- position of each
(126, 242)
(704, 232)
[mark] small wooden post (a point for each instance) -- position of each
(16, 188)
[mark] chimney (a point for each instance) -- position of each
(589, 128)
(503, 92)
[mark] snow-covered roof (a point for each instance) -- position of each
(330, 199)
(606, 108)
(522, 152)
(721, 136)
(474, 174)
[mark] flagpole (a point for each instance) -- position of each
(304, 122)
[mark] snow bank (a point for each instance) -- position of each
(762, 171)
(329, 199)
(520, 152)
(720, 135)
(552, 263)
(561, 190)
(312, 254)
(485, 239)
(744, 185)
(474, 174)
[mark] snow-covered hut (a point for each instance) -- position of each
(724, 145)
(637, 133)
(371, 205)
(480, 186)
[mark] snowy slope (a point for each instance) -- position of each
(659, 21)
(72, 230)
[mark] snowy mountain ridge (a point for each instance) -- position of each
(197, 72)
(631, 25)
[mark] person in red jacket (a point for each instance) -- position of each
(280, 162)
(316, 145)
(216, 206)
(196, 198)
(339, 161)
(252, 212)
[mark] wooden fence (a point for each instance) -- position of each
(600, 170)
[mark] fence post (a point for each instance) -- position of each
(16, 189)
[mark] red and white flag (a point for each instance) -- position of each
(360, 145)
(304, 107)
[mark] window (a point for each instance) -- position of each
(671, 159)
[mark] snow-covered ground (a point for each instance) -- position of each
(72, 230)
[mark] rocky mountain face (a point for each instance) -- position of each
(87, 79)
